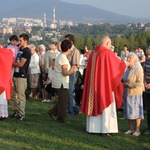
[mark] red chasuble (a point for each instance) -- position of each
(6, 59)
(103, 76)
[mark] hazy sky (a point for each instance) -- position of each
(133, 8)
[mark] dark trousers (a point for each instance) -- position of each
(147, 107)
(78, 95)
(59, 109)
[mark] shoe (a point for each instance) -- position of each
(147, 132)
(20, 117)
(48, 101)
(43, 101)
(1, 119)
(77, 113)
(14, 115)
(136, 134)
(30, 95)
(107, 134)
(52, 116)
(129, 132)
(63, 121)
(68, 115)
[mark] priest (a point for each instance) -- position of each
(6, 59)
(102, 92)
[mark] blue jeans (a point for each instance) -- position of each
(72, 106)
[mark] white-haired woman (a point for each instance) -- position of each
(133, 100)
(34, 71)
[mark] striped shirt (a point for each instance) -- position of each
(146, 68)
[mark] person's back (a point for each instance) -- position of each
(147, 89)
(78, 90)
(49, 56)
(74, 60)
(6, 58)
(100, 92)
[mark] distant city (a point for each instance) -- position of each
(9, 23)
(12, 25)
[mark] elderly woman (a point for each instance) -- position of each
(133, 101)
(34, 71)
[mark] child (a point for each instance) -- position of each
(49, 82)
(13, 46)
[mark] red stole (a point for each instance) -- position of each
(6, 59)
(87, 54)
(103, 75)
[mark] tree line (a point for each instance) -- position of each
(121, 35)
(141, 39)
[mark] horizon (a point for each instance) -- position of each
(128, 7)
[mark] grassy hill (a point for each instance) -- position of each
(39, 132)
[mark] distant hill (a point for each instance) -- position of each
(64, 11)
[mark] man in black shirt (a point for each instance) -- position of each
(20, 78)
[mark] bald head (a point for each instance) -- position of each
(106, 42)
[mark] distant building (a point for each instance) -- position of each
(8, 21)
(36, 38)
(21, 22)
(70, 23)
(147, 29)
(54, 40)
(53, 25)
(7, 30)
(45, 23)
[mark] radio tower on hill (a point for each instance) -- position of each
(45, 25)
(54, 18)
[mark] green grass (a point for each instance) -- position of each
(39, 132)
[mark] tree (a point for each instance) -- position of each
(132, 42)
(88, 41)
(96, 41)
(79, 41)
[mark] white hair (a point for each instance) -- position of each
(41, 46)
(134, 55)
(104, 39)
(32, 46)
(51, 46)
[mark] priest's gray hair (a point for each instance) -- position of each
(103, 40)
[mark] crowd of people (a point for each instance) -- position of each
(93, 82)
